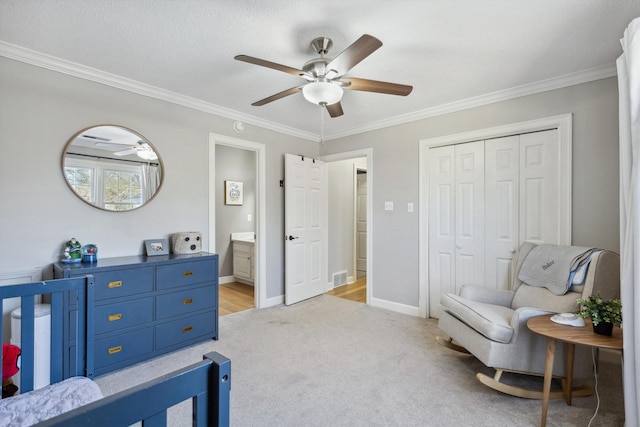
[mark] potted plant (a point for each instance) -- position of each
(604, 313)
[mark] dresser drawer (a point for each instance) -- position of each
(123, 347)
(119, 283)
(185, 302)
(122, 315)
(182, 330)
(185, 273)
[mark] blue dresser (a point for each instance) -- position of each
(145, 306)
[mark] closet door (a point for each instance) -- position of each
(522, 199)
(469, 214)
(502, 162)
(456, 219)
(539, 190)
(441, 187)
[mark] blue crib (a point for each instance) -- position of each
(207, 383)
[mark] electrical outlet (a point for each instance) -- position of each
(249, 218)
(410, 207)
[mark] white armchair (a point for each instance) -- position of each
(491, 324)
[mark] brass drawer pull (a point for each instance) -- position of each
(187, 273)
(114, 317)
(187, 301)
(114, 350)
(187, 329)
(117, 284)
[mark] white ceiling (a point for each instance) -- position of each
(453, 52)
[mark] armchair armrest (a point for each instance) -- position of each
(487, 295)
(522, 314)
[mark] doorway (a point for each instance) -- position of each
(349, 264)
(256, 216)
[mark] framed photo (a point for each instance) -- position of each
(233, 193)
(156, 247)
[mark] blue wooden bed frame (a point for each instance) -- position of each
(208, 383)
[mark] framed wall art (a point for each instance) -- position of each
(156, 247)
(233, 193)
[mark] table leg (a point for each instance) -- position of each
(571, 349)
(548, 374)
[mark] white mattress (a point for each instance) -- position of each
(47, 402)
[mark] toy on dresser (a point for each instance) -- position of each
(72, 251)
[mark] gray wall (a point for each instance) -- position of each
(342, 215)
(233, 164)
(41, 109)
(395, 174)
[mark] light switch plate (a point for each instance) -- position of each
(410, 207)
(388, 206)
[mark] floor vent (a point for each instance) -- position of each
(339, 278)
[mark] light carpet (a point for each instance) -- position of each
(333, 362)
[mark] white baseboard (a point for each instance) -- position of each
(231, 279)
(397, 307)
(270, 302)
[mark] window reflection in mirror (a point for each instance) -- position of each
(112, 168)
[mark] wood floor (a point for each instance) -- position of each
(356, 291)
(235, 296)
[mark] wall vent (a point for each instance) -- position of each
(339, 278)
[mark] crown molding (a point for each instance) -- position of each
(566, 80)
(53, 63)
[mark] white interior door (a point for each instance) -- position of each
(305, 228)
(540, 219)
(361, 224)
(441, 225)
(469, 213)
(501, 214)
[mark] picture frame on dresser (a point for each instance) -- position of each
(156, 247)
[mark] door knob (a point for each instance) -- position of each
(290, 238)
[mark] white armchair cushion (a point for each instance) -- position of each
(530, 296)
(487, 295)
(492, 321)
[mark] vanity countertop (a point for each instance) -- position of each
(246, 237)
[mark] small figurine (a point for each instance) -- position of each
(72, 251)
(89, 253)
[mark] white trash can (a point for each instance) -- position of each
(42, 343)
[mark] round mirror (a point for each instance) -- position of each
(112, 168)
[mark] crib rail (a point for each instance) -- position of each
(208, 383)
(56, 291)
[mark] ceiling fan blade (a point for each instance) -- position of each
(126, 152)
(355, 53)
(335, 110)
(277, 96)
(272, 65)
(377, 86)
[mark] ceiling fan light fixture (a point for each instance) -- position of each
(147, 154)
(322, 92)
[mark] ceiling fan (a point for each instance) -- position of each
(325, 83)
(142, 150)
